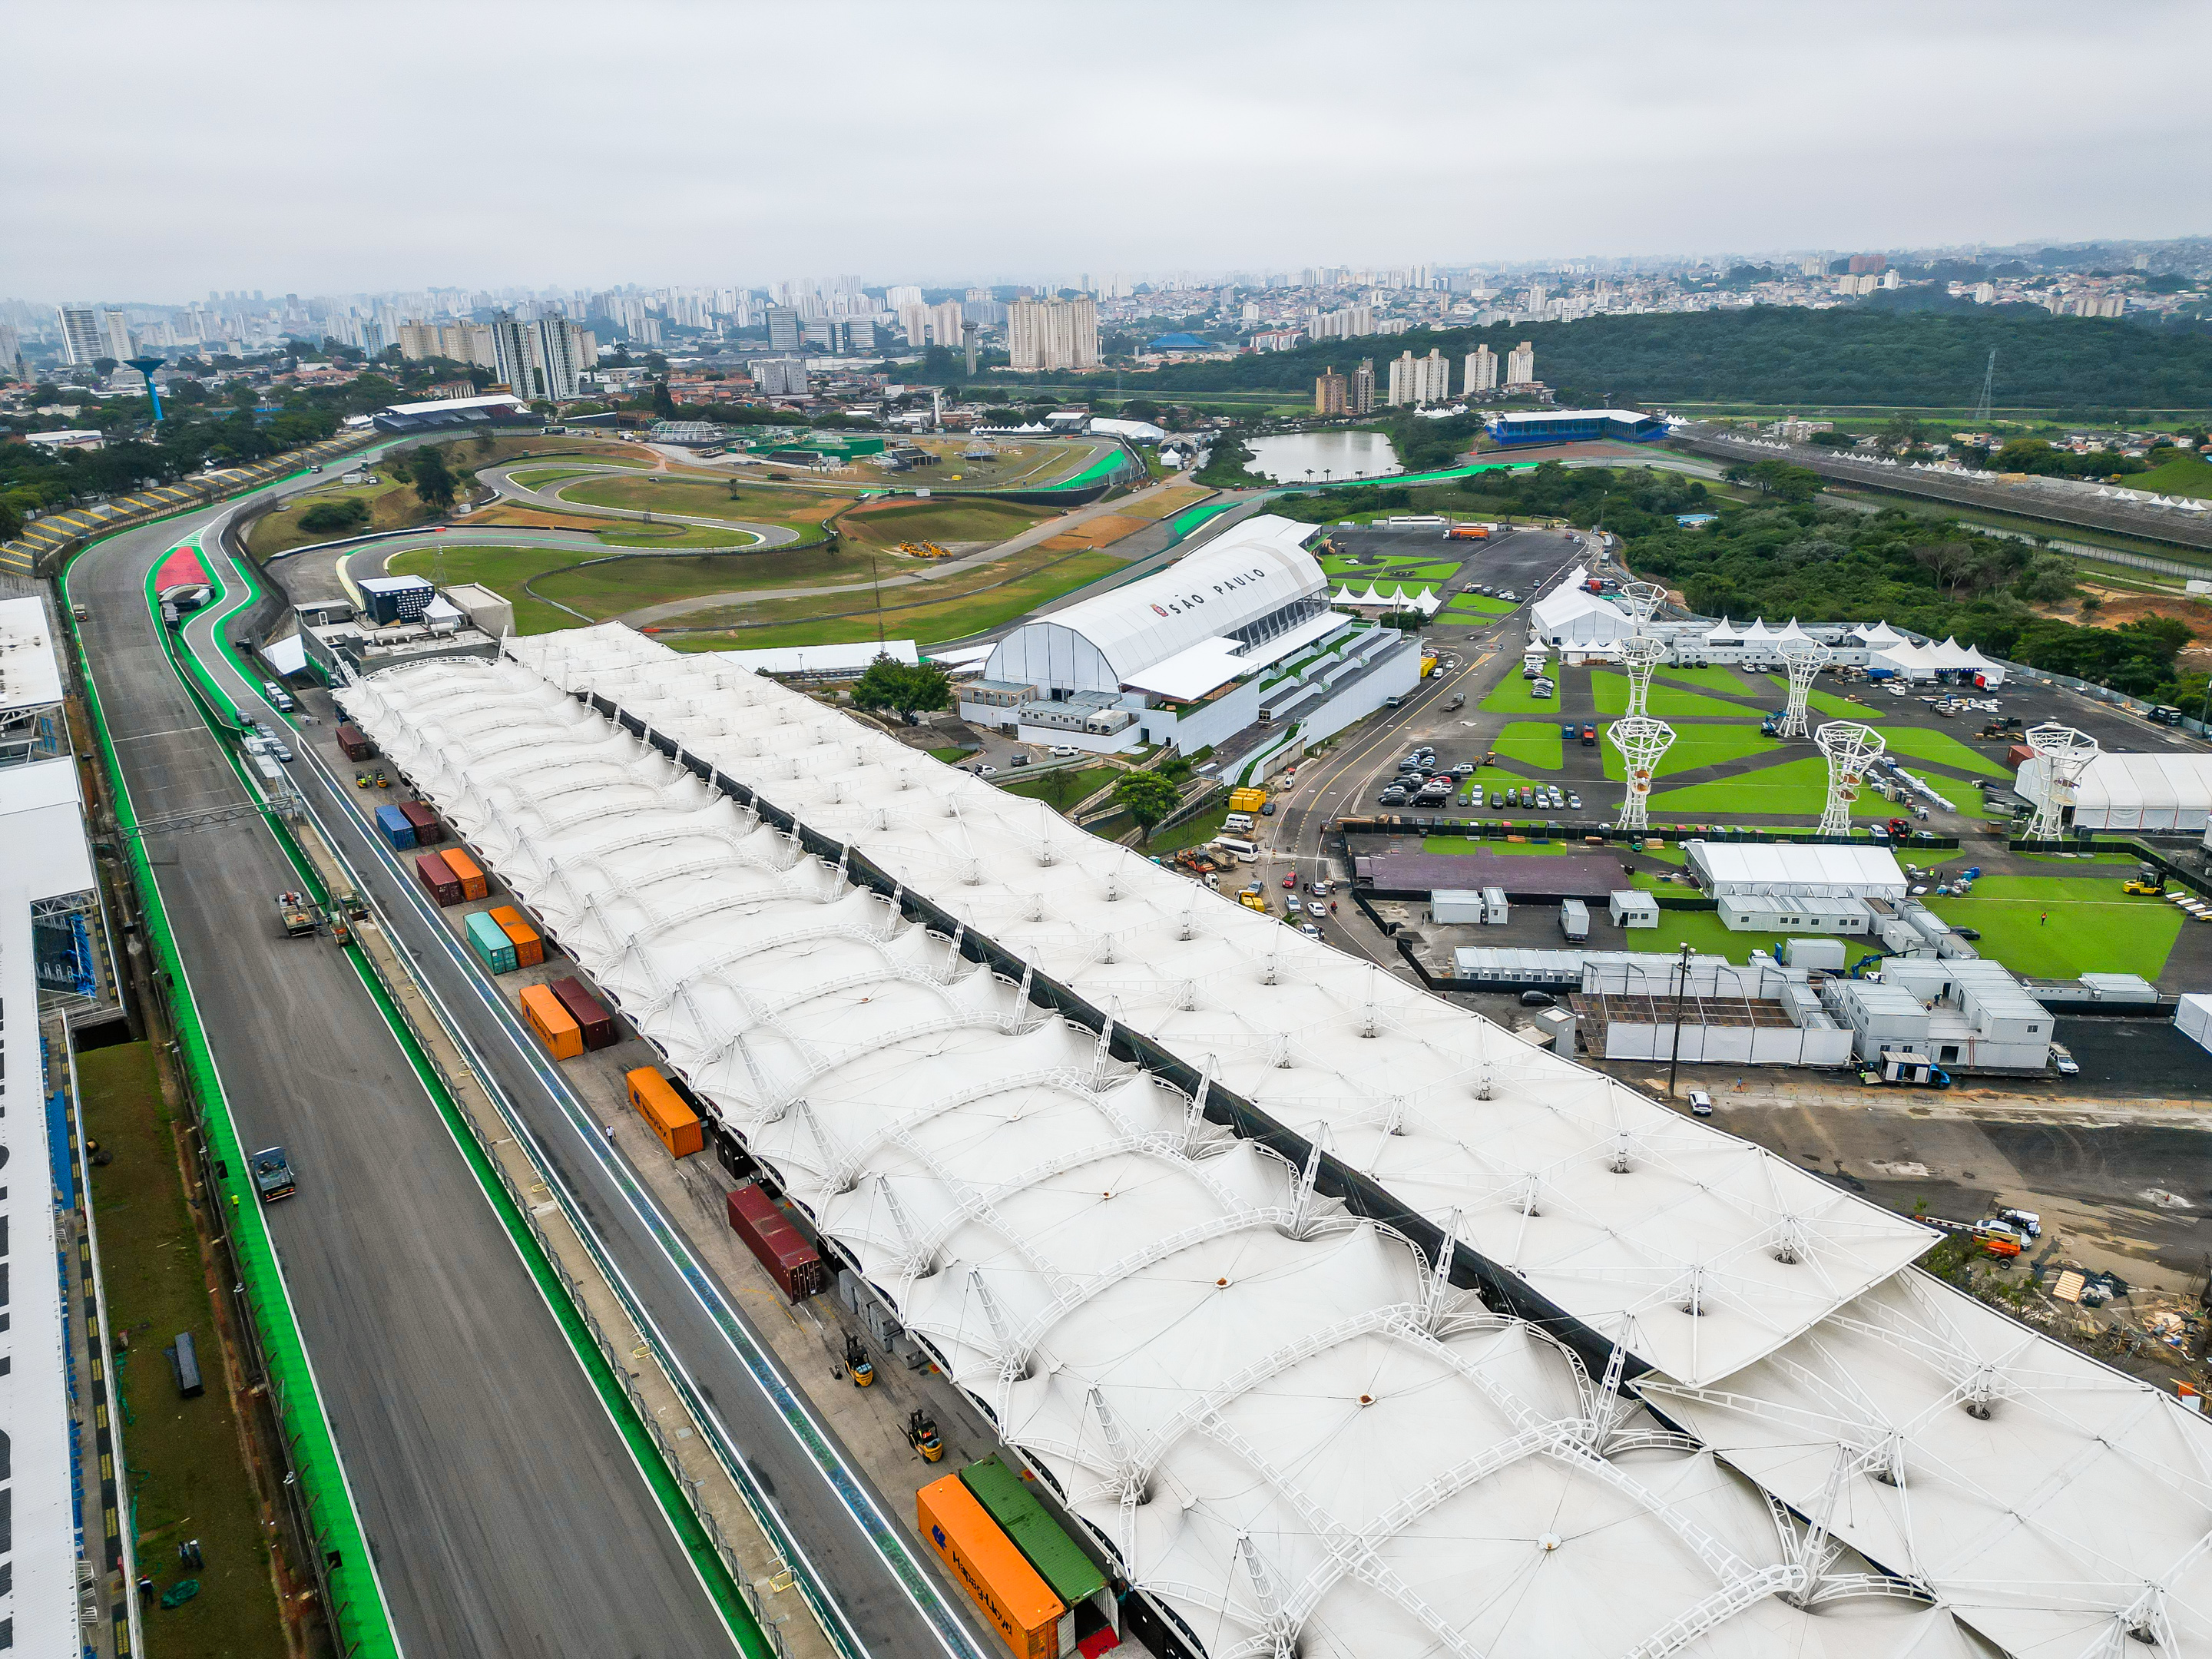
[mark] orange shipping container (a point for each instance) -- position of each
(529, 949)
(664, 1112)
(997, 1576)
(471, 873)
(562, 1037)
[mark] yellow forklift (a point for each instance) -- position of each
(922, 1435)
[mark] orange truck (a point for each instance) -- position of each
(997, 1576)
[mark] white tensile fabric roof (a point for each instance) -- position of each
(1758, 869)
(1289, 1431)
(2133, 792)
(1914, 661)
(1447, 1110)
(2057, 1505)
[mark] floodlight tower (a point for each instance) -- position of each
(1641, 740)
(1851, 749)
(2065, 754)
(146, 365)
(1802, 660)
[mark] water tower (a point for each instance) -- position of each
(146, 365)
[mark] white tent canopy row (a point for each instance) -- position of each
(1397, 599)
(2132, 792)
(1620, 1213)
(1287, 1430)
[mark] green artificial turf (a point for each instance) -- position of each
(1825, 702)
(1513, 696)
(1796, 788)
(1919, 743)
(1480, 604)
(1667, 701)
(1722, 678)
(1532, 742)
(2046, 927)
(1695, 746)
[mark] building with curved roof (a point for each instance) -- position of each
(1345, 1324)
(1254, 582)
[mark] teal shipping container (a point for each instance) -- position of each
(490, 943)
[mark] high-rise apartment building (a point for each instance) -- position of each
(511, 356)
(782, 329)
(779, 377)
(1420, 380)
(905, 294)
(81, 336)
(11, 350)
(116, 332)
(945, 321)
(1362, 387)
(1521, 365)
(1481, 371)
(559, 353)
(1052, 334)
(1331, 392)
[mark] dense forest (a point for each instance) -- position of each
(1819, 564)
(1781, 354)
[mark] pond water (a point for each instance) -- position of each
(1295, 456)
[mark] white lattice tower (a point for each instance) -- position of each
(1641, 740)
(2065, 754)
(1851, 749)
(1802, 661)
(1639, 654)
(1641, 600)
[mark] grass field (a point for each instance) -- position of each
(1696, 746)
(1513, 696)
(391, 506)
(907, 613)
(1192, 832)
(1667, 701)
(625, 533)
(1062, 786)
(1532, 742)
(1724, 679)
(1478, 605)
(2044, 925)
(504, 570)
(609, 590)
(1918, 743)
(706, 499)
(1828, 702)
(2185, 475)
(188, 1477)
(959, 520)
(1796, 788)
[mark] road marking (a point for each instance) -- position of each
(174, 731)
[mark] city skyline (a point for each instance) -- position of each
(1612, 141)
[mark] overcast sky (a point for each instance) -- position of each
(155, 151)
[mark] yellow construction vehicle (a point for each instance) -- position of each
(2153, 885)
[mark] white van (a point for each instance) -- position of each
(1237, 821)
(1245, 852)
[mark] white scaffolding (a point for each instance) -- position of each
(1802, 659)
(1849, 749)
(2065, 754)
(1643, 742)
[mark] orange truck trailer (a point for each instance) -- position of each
(997, 1576)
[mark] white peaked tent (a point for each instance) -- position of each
(1756, 636)
(1912, 662)
(1991, 673)
(1427, 603)
(1726, 634)
(1343, 596)
(1793, 633)
(1950, 655)
(1400, 600)
(1370, 598)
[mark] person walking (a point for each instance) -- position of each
(2043, 920)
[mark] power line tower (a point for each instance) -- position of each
(1989, 384)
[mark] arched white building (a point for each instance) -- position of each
(1255, 583)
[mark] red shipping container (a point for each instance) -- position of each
(354, 743)
(587, 1010)
(2018, 755)
(768, 1234)
(435, 873)
(427, 830)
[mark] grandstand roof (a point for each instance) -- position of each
(1289, 1431)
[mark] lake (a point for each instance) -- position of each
(1293, 457)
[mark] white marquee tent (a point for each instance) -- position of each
(2135, 791)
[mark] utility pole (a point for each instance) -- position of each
(1681, 975)
(1989, 383)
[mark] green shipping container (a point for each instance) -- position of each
(1058, 1560)
(490, 943)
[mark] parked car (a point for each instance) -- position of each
(1019, 760)
(1701, 1103)
(1538, 1000)
(1575, 803)
(2062, 1058)
(1061, 751)
(986, 771)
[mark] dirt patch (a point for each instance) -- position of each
(1167, 502)
(1107, 528)
(2116, 605)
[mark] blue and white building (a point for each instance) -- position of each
(1568, 426)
